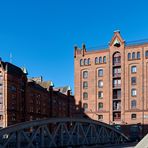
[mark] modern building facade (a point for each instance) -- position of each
(112, 84)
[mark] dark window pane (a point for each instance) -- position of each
(129, 56)
(138, 55)
(104, 59)
(85, 74)
(133, 80)
(133, 55)
(133, 116)
(100, 72)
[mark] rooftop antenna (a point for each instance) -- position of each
(10, 57)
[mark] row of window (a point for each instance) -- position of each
(100, 105)
(85, 62)
(97, 61)
(100, 95)
(133, 116)
(100, 60)
(130, 56)
(85, 106)
(116, 71)
(85, 84)
(85, 73)
(133, 55)
(116, 82)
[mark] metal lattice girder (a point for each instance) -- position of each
(59, 132)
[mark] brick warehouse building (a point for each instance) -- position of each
(112, 84)
(23, 99)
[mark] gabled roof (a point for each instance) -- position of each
(116, 38)
(12, 69)
(63, 89)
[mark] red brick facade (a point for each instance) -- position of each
(112, 84)
(22, 99)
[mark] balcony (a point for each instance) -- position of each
(116, 106)
(116, 97)
(116, 63)
(116, 85)
(116, 75)
(117, 119)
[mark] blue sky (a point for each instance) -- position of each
(41, 34)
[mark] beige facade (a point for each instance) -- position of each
(112, 84)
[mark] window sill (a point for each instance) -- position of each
(100, 63)
(134, 59)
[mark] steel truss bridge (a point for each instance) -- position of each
(59, 132)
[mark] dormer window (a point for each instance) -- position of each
(116, 43)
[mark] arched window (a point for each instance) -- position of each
(116, 58)
(133, 92)
(100, 72)
(81, 62)
(100, 94)
(100, 59)
(85, 106)
(85, 84)
(85, 74)
(138, 55)
(133, 55)
(96, 60)
(104, 59)
(146, 54)
(133, 104)
(129, 56)
(85, 62)
(100, 106)
(100, 83)
(133, 69)
(85, 95)
(89, 61)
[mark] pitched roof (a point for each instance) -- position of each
(12, 69)
(63, 89)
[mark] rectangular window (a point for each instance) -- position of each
(85, 84)
(100, 94)
(85, 74)
(100, 72)
(100, 117)
(100, 83)
(100, 106)
(133, 92)
(133, 116)
(117, 83)
(133, 104)
(138, 55)
(133, 69)
(146, 54)
(117, 72)
(133, 80)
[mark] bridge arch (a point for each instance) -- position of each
(59, 132)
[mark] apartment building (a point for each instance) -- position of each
(12, 94)
(24, 99)
(111, 84)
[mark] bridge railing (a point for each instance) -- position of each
(59, 132)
